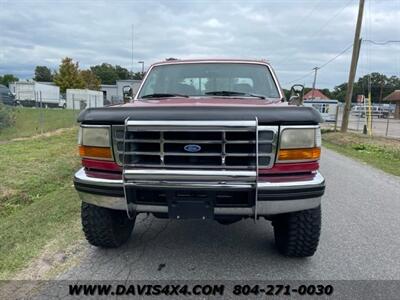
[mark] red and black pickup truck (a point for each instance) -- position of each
(203, 139)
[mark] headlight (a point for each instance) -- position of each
(297, 138)
(299, 144)
(94, 142)
(94, 136)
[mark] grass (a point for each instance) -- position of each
(28, 122)
(38, 203)
(379, 152)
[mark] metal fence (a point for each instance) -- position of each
(35, 120)
(386, 127)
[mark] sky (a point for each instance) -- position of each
(293, 35)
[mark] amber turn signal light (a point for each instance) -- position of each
(300, 154)
(95, 152)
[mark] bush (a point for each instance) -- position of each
(7, 117)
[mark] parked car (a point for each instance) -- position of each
(6, 97)
(203, 139)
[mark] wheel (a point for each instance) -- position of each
(105, 228)
(297, 234)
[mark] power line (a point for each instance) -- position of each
(382, 43)
(300, 78)
(308, 14)
(324, 25)
(304, 17)
(337, 56)
(330, 19)
(324, 64)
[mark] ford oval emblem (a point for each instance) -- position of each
(192, 148)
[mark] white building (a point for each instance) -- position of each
(124, 85)
(80, 99)
(114, 93)
(109, 92)
(327, 108)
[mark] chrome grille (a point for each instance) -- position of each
(224, 145)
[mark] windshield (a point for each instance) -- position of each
(210, 79)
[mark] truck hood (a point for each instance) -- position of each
(267, 111)
(203, 101)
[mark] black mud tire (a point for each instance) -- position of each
(297, 234)
(105, 228)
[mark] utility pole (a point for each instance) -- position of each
(314, 82)
(353, 68)
(132, 53)
(142, 63)
(381, 91)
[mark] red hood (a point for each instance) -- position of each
(204, 101)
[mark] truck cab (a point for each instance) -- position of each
(203, 139)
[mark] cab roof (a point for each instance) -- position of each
(211, 60)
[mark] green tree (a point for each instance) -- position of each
(381, 86)
(339, 92)
(109, 74)
(68, 76)
(326, 92)
(92, 82)
(122, 73)
(138, 75)
(43, 73)
(6, 79)
(106, 72)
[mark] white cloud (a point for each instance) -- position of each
(294, 38)
(213, 23)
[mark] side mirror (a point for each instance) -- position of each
(127, 93)
(296, 94)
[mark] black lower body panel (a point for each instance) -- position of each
(216, 198)
(291, 194)
(112, 191)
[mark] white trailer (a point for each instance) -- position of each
(12, 87)
(80, 99)
(31, 93)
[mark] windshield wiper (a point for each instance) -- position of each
(163, 95)
(233, 93)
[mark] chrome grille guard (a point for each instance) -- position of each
(221, 176)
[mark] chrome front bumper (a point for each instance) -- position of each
(274, 195)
